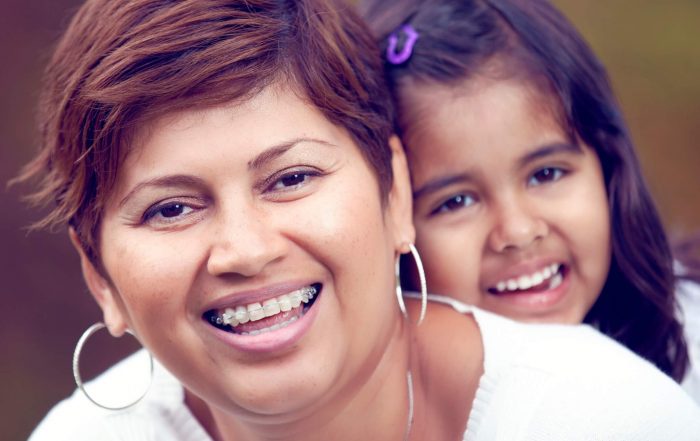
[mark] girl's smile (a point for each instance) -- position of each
(511, 214)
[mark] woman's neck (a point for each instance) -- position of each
(447, 362)
(444, 356)
(375, 408)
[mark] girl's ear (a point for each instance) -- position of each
(102, 290)
(400, 199)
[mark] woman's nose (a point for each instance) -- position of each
(244, 243)
(516, 226)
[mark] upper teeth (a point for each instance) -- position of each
(257, 311)
(528, 281)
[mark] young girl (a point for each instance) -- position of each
(529, 200)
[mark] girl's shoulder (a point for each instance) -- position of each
(551, 381)
(688, 296)
(160, 415)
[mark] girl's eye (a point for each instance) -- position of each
(166, 213)
(172, 210)
(293, 179)
(545, 175)
(455, 203)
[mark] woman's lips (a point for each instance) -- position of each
(265, 316)
(269, 335)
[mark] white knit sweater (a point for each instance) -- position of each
(540, 382)
(689, 299)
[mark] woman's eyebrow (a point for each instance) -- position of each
(280, 149)
(186, 180)
(441, 182)
(548, 150)
(163, 181)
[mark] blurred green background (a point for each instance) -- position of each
(650, 48)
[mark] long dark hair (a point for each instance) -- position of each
(637, 305)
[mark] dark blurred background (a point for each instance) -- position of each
(651, 49)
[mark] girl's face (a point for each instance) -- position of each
(240, 213)
(511, 216)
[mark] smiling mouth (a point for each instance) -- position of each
(267, 316)
(547, 278)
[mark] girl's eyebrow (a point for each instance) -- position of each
(548, 150)
(543, 151)
(441, 182)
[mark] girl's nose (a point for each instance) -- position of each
(516, 227)
(245, 243)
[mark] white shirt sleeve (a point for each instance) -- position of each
(688, 295)
(161, 416)
(558, 382)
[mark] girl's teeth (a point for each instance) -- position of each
(556, 281)
(546, 273)
(528, 281)
(524, 282)
(537, 278)
(269, 308)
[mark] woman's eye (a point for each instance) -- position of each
(291, 181)
(455, 203)
(545, 175)
(167, 212)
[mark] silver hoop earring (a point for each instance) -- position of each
(76, 369)
(423, 284)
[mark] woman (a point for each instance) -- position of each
(231, 184)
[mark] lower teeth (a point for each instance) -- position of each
(271, 328)
(556, 280)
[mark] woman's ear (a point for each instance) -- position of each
(101, 289)
(401, 198)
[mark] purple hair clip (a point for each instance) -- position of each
(401, 57)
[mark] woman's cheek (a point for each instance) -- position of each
(156, 268)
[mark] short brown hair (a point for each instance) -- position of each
(120, 63)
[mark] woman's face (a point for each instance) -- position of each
(237, 213)
(510, 215)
